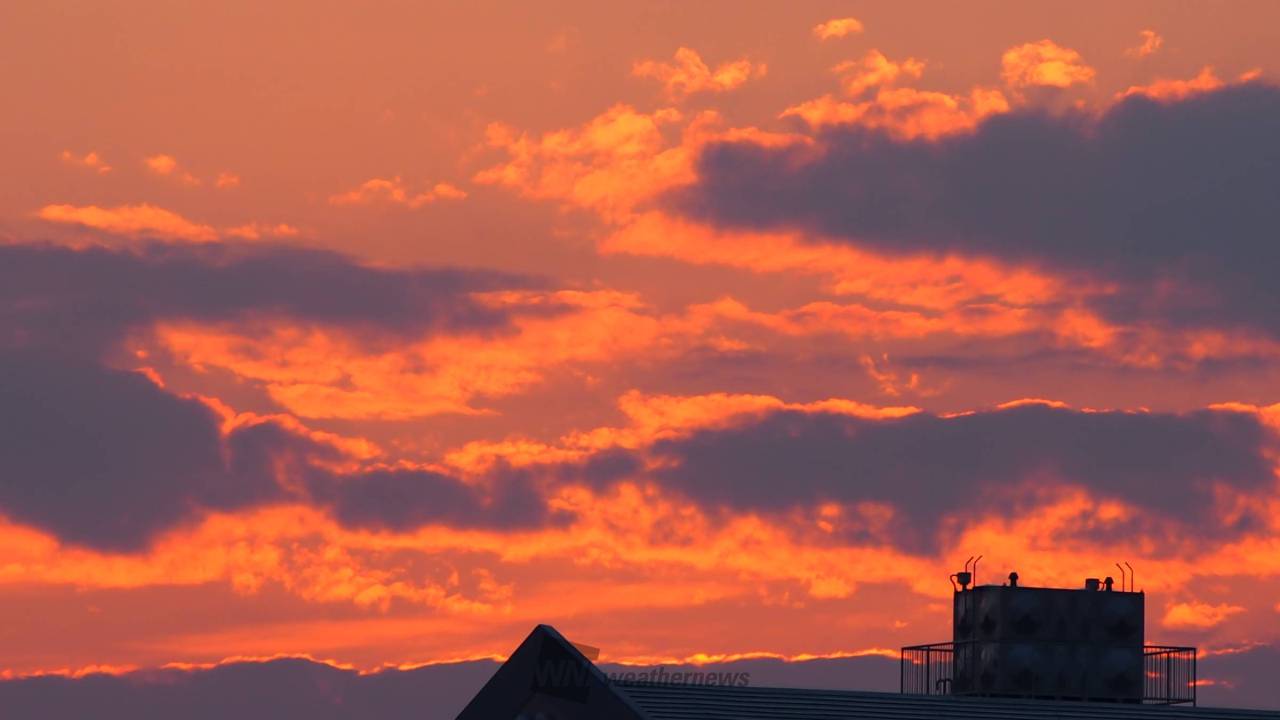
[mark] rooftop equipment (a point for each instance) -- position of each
(1032, 642)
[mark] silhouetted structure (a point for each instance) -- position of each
(1029, 642)
(1028, 654)
(548, 678)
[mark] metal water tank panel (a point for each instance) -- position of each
(987, 667)
(1118, 618)
(965, 668)
(1026, 614)
(1065, 619)
(963, 619)
(1116, 674)
(990, 616)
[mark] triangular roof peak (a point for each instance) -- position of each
(548, 674)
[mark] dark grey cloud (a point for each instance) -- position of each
(504, 496)
(406, 499)
(1180, 199)
(302, 689)
(279, 690)
(931, 468)
(1242, 679)
(105, 458)
(80, 301)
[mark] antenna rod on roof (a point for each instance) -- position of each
(1122, 576)
(1132, 574)
(975, 571)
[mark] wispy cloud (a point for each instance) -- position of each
(1198, 615)
(227, 179)
(875, 70)
(1151, 42)
(688, 74)
(143, 219)
(393, 191)
(1044, 64)
(168, 166)
(147, 221)
(837, 28)
(91, 160)
(256, 231)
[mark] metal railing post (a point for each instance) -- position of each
(1195, 678)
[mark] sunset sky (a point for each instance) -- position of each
(376, 333)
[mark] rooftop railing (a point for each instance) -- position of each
(1169, 673)
(927, 669)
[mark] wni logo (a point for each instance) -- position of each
(561, 675)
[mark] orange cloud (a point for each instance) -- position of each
(296, 548)
(256, 231)
(167, 166)
(615, 162)
(393, 191)
(144, 219)
(616, 558)
(875, 70)
(610, 164)
(149, 221)
(1044, 64)
(1023, 402)
(1268, 414)
(1155, 347)
(90, 160)
(348, 447)
(953, 295)
(905, 112)
(651, 418)
(892, 382)
(316, 372)
(862, 322)
(328, 373)
(1151, 42)
(689, 75)
(1198, 615)
(837, 28)
(1169, 90)
(938, 283)
(161, 164)
(227, 179)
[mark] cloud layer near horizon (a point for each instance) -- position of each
(295, 687)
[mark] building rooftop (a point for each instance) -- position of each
(752, 703)
(548, 678)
